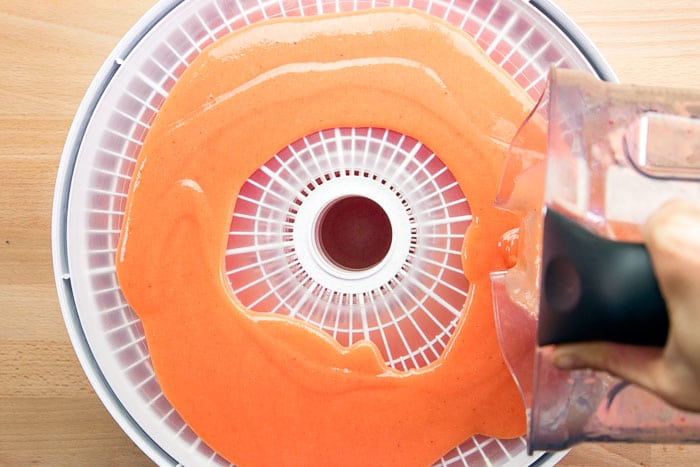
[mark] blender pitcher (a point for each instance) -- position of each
(584, 172)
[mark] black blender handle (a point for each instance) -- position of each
(596, 289)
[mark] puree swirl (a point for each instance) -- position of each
(265, 389)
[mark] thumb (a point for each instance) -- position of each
(672, 235)
(641, 365)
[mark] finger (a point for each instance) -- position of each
(637, 364)
(646, 367)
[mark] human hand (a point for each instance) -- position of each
(672, 236)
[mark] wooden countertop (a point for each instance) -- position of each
(49, 51)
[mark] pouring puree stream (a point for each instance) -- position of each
(269, 390)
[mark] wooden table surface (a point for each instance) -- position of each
(49, 52)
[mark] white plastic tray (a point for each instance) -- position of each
(103, 144)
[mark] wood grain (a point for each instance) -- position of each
(50, 51)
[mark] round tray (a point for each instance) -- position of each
(525, 38)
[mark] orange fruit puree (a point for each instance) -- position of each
(267, 390)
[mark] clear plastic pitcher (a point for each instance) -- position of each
(604, 156)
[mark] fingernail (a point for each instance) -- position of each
(566, 361)
(686, 228)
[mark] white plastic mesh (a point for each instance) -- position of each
(411, 313)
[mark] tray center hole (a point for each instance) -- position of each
(354, 233)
